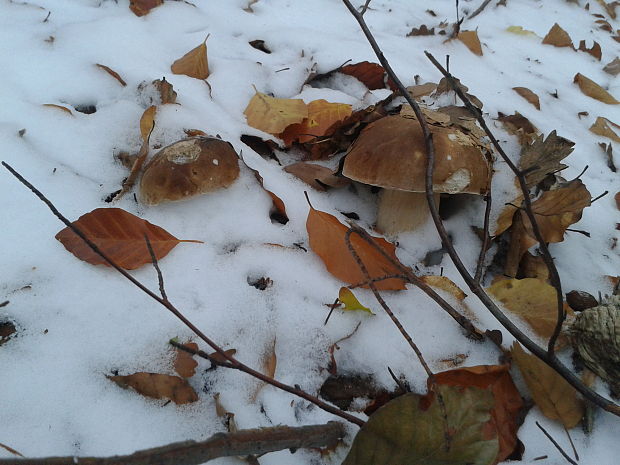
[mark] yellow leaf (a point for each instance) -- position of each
(556, 398)
(273, 115)
(58, 107)
(471, 41)
(528, 95)
(604, 127)
(321, 117)
(445, 284)
(147, 122)
(592, 89)
(350, 302)
(520, 31)
(557, 37)
(194, 63)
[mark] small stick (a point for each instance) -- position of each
(155, 263)
(479, 9)
(485, 239)
(557, 446)
(365, 7)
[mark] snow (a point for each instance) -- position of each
(77, 323)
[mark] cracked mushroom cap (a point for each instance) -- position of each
(390, 153)
(189, 167)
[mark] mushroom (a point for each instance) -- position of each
(188, 167)
(390, 153)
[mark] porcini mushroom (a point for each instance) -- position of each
(390, 153)
(188, 167)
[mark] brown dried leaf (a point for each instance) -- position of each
(166, 91)
(422, 89)
(112, 73)
(543, 156)
(554, 396)
(278, 210)
(592, 89)
(445, 284)
(595, 51)
(274, 115)
(372, 75)
(610, 7)
(194, 132)
(471, 41)
(158, 386)
(269, 363)
(604, 127)
(194, 63)
(120, 235)
(528, 95)
(317, 176)
(327, 239)
(58, 107)
(220, 358)
(147, 123)
(7, 329)
(520, 126)
(143, 7)
(184, 363)
(533, 266)
(421, 31)
(322, 117)
(10, 450)
(613, 67)
(557, 37)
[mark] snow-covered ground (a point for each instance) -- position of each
(77, 323)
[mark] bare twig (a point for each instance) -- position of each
(557, 446)
(240, 443)
(485, 239)
(4, 304)
(365, 7)
(160, 277)
(545, 355)
(233, 361)
(479, 9)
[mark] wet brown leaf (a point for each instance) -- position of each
(194, 63)
(423, 30)
(557, 37)
(184, 363)
(158, 386)
(422, 89)
(7, 329)
(528, 95)
(278, 210)
(166, 91)
(592, 89)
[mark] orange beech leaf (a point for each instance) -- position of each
(327, 240)
(143, 7)
(120, 235)
(372, 75)
(508, 402)
(471, 41)
(274, 115)
(112, 73)
(184, 363)
(158, 386)
(58, 107)
(322, 116)
(194, 63)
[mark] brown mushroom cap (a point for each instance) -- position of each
(390, 153)
(188, 167)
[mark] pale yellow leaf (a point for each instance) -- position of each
(350, 302)
(445, 284)
(273, 115)
(520, 31)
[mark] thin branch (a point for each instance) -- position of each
(557, 446)
(479, 9)
(160, 277)
(4, 304)
(365, 7)
(486, 237)
(544, 355)
(233, 361)
(240, 443)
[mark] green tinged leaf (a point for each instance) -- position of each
(350, 302)
(407, 430)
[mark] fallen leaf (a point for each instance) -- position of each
(112, 73)
(120, 235)
(423, 30)
(595, 51)
(147, 122)
(613, 67)
(273, 115)
(165, 90)
(228, 418)
(445, 284)
(322, 117)
(617, 199)
(194, 63)
(592, 89)
(520, 31)
(317, 176)
(10, 450)
(556, 398)
(411, 430)
(220, 358)
(58, 107)
(422, 89)
(508, 403)
(143, 7)
(471, 41)
(184, 363)
(327, 239)
(269, 363)
(606, 128)
(520, 126)
(610, 7)
(158, 386)
(350, 302)
(278, 210)
(259, 45)
(557, 37)
(543, 156)
(533, 300)
(194, 132)
(372, 75)
(528, 95)
(533, 266)
(7, 329)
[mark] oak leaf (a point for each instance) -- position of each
(184, 363)
(592, 89)
(119, 235)
(528, 95)
(606, 128)
(327, 239)
(273, 115)
(194, 63)
(322, 116)
(158, 386)
(556, 398)
(557, 37)
(471, 41)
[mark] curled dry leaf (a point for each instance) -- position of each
(592, 89)
(422, 90)
(184, 363)
(112, 73)
(372, 75)
(508, 403)
(445, 284)
(120, 235)
(327, 239)
(273, 115)
(606, 128)
(158, 386)
(58, 107)
(322, 117)
(471, 41)
(528, 95)
(143, 7)
(556, 398)
(269, 363)
(194, 63)
(423, 30)
(595, 51)
(520, 126)
(165, 90)
(278, 210)
(317, 176)
(557, 37)
(350, 302)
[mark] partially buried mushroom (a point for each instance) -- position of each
(188, 167)
(390, 153)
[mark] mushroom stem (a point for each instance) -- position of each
(401, 211)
